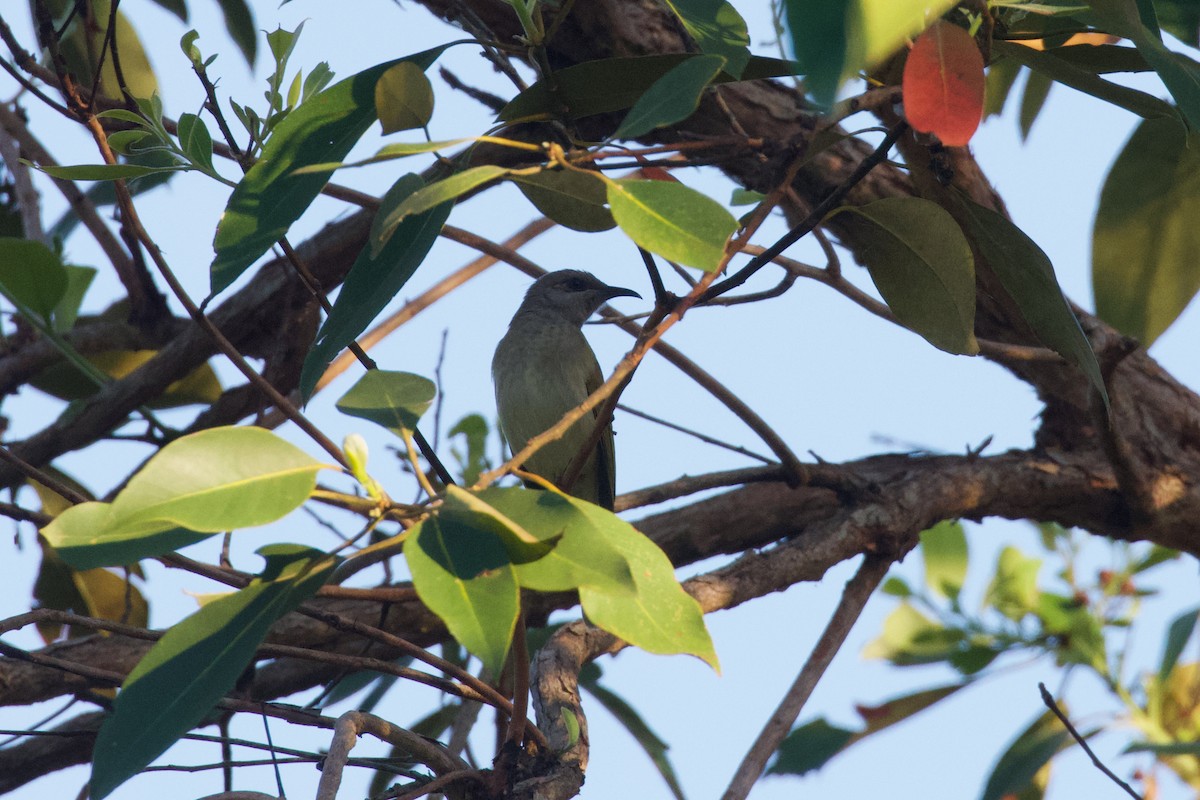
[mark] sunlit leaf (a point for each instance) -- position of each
(427, 198)
(462, 572)
(718, 28)
(207, 482)
(944, 551)
(672, 220)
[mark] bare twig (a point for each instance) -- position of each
(1048, 699)
(854, 599)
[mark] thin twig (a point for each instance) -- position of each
(1048, 699)
(854, 599)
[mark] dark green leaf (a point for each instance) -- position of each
(176, 7)
(239, 21)
(1028, 276)
(654, 747)
(944, 549)
(672, 220)
(372, 283)
(427, 198)
(1144, 270)
(1001, 76)
(1102, 58)
(1177, 638)
(522, 545)
(835, 39)
(1037, 89)
(462, 572)
(1140, 103)
(404, 98)
(573, 199)
(105, 172)
(32, 277)
(1029, 752)
(718, 28)
(1172, 749)
(272, 196)
(898, 709)
(1181, 19)
(672, 98)
(922, 265)
(394, 400)
(613, 84)
(809, 747)
(196, 662)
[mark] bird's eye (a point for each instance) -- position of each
(575, 285)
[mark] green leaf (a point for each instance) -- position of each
(372, 282)
(1001, 75)
(462, 572)
(239, 21)
(474, 430)
(659, 616)
(898, 709)
(196, 662)
(522, 546)
(1028, 276)
(394, 400)
(1181, 19)
(106, 172)
(654, 747)
(206, 482)
(1029, 752)
(426, 198)
(584, 555)
(195, 140)
(404, 98)
(573, 199)
(1037, 89)
(613, 84)
(835, 39)
(135, 65)
(271, 196)
(672, 220)
(910, 638)
(32, 277)
(66, 310)
(718, 28)
(387, 153)
(1144, 270)
(809, 747)
(67, 381)
(1177, 638)
(672, 98)
(1014, 591)
(1172, 749)
(896, 587)
(1066, 73)
(922, 265)
(944, 549)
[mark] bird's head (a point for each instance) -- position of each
(572, 294)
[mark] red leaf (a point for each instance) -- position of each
(943, 84)
(658, 174)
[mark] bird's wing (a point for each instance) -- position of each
(604, 458)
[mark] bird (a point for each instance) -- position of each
(543, 367)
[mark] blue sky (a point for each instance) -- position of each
(831, 378)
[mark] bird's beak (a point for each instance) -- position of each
(609, 292)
